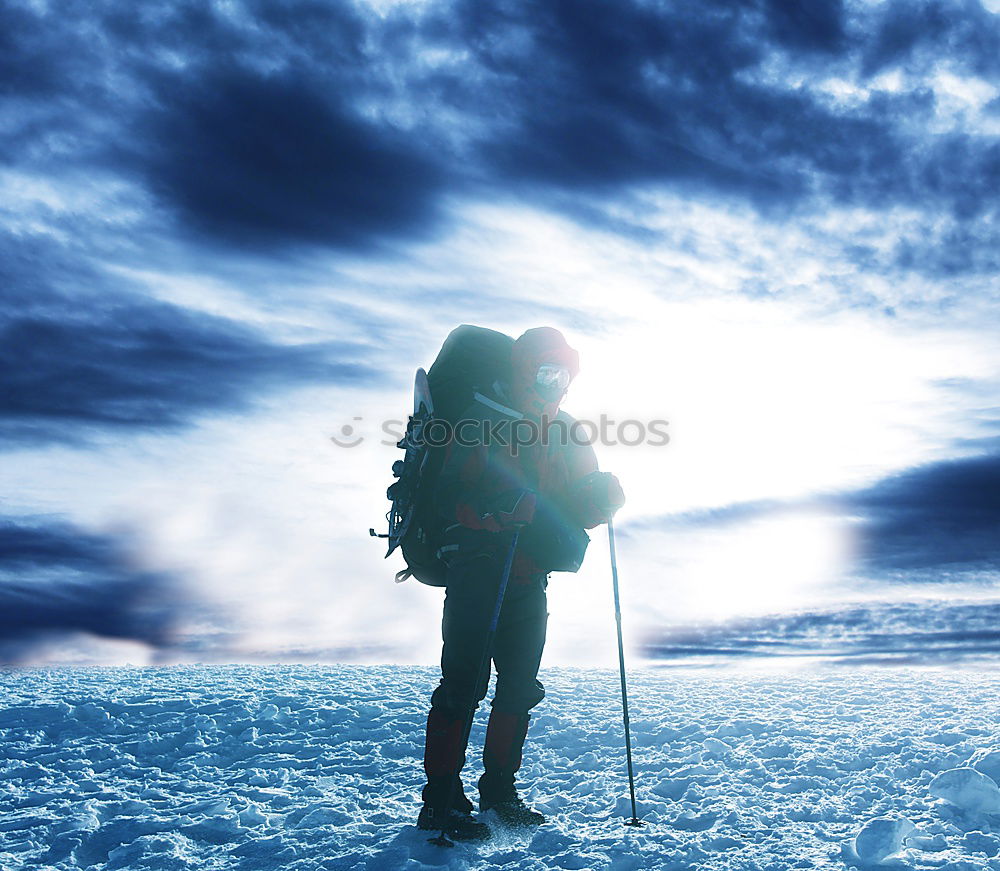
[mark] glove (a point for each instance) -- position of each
(599, 495)
(509, 510)
(512, 509)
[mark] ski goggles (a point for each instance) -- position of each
(551, 375)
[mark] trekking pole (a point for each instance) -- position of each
(442, 840)
(635, 821)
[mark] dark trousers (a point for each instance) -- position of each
(470, 600)
(469, 603)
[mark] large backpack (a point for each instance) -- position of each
(470, 359)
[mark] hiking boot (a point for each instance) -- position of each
(513, 812)
(497, 793)
(437, 792)
(458, 825)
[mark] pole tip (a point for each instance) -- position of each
(635, 821)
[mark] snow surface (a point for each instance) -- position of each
(319, 767)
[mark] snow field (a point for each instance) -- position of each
(319, 767)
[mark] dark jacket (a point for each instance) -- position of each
(498, 450)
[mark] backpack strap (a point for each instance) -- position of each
(496, 406)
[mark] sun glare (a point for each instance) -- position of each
(769, 565)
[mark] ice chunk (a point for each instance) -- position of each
(968, 789)
(979, 842)
(323, 817)
(90, 713)
(715, 747)
(268, 712)
(740, 728)
(672, 788)
(253, 816)
(881, 837)
(987, 762)
(929, 842)
(692, 821)
(206, 806)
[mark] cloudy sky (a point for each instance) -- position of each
(231, 231)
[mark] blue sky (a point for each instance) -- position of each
(229, 230)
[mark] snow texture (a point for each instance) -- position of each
(319, 767)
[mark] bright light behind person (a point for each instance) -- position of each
(773, 564)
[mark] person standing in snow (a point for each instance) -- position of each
(546, 485)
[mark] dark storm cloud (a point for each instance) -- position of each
(933, 517)
(806, 27)
(100, 358)
(924, 632)
(596, 94)
(905, 31)
(593, 94)
(246, 131)
(262, 160)
(56, 580)
(322, 123)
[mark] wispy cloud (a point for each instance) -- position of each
(102, 358)
(927, 632)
